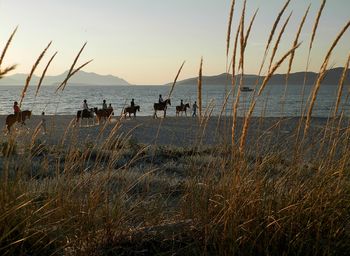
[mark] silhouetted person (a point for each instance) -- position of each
(182, 104)
(194, 108)
(85, 105)
(17, 111)
(43, 122)
(160, 99)
(104, 105)
(16, 108)
(132, 103)
(110, 109)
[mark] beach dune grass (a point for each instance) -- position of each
(113, 195)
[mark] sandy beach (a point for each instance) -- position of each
(174, 131)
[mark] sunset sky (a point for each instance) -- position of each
(145, 41)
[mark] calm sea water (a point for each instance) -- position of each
(270, 104)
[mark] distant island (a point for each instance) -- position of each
(80, 78)
(332, 78)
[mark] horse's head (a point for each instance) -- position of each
(187, 105)
(94, 110)
(167, 101)
(138, 108)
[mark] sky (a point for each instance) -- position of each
(145, 41)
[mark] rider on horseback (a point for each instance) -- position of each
(132, 103)
(160, 99)
(86, 109)
(104, 105)
(85, 105)
(17, 110)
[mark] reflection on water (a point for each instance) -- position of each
(271, 103)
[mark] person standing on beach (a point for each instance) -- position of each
(43, 122)
(194, 108)
(160, 99)
(104, 105)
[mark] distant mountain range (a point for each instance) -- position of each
(80, 78)
(332, 78)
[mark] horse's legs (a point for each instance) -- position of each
(185, 113)
(8, 126)
(164, 113)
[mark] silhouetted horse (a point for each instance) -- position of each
(19, 117)
(131, 110)
(161, 107)
(86, 113)
(103, 113)
(182, 109)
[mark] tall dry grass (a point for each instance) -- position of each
(261, 89)
(111, 195)
(272, 33)
(64, 83)
(240, 34)
(175, 80)
(321, 77)
(7, 46)
(4, 71)
(296, 41)
(341, 86)
(44, 73)
(199, 88)
(314, 30)
(274, 51)
(24, 90)
(233, 84)
(228, 39)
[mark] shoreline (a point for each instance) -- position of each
(172, 131)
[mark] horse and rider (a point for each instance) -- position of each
(105, 112)
(182, 108)
(17, 116)
(88, 113)
(161, 106)
(131, 109)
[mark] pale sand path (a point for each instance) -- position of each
(177, 131)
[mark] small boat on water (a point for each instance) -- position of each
(246, 89)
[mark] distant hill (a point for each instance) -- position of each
(80, 78)
(332, 77)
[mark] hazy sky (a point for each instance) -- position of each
(145, 41)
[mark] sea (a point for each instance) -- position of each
(276, 100)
